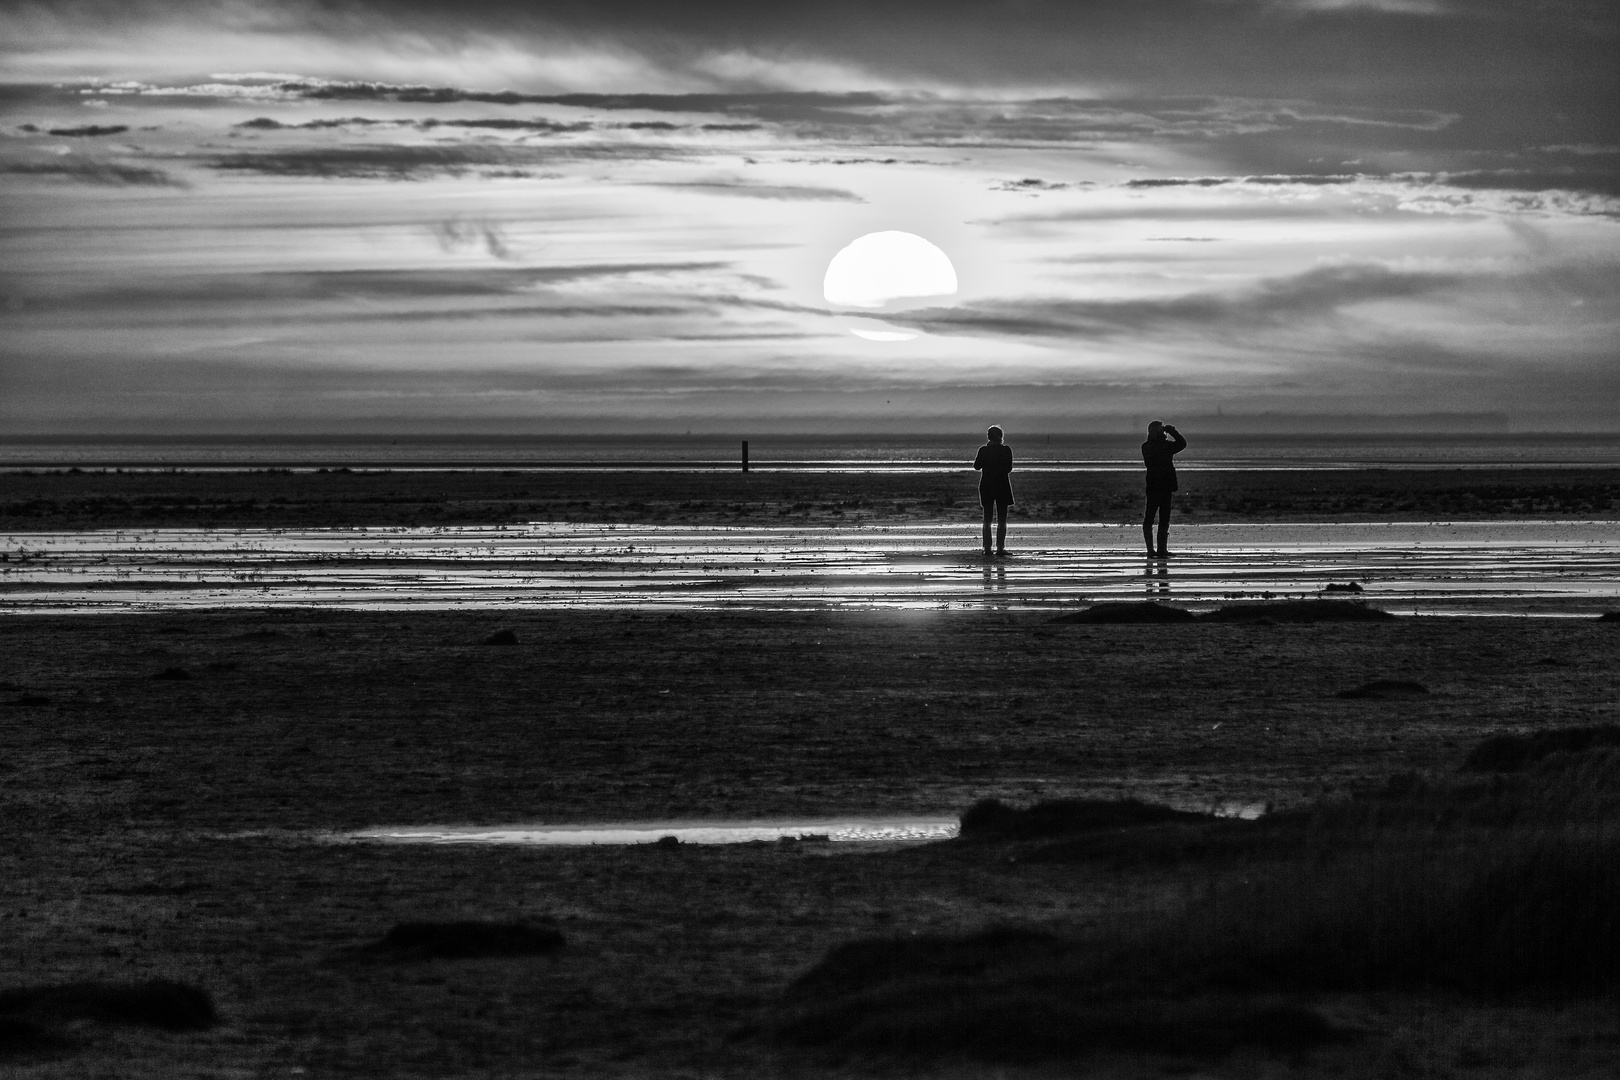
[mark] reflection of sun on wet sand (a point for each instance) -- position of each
(1562, 568)
(173, 780)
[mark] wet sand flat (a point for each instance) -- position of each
(1495, 567)
(93, 499)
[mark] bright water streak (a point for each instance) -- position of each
(1473, 567)
(886, 830)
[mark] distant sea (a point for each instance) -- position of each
(802, 452)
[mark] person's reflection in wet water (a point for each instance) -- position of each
(1157, 581)
(995, 578)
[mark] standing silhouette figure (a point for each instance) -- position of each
(994, 462)
(1164, 442)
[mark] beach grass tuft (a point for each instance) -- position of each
(1298, 611)
(1120, 611)
(1385, 690)
(1507, 888)
(1057, 817)
(1511, 753)
(465, 940)
(159, 1003)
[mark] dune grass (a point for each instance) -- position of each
(1501, 888)
(464, 940)
(1285, 611)
(158, 1003)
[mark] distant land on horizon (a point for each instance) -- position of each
(1347, 425)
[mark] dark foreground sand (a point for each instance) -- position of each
(125, 798)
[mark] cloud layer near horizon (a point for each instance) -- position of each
(313, 216)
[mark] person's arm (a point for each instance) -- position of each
(1180, 443)
(978, 459)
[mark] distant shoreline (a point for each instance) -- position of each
(33, 501)
(777, 453)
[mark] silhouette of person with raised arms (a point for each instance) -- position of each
(994, 462)
(1164, 442)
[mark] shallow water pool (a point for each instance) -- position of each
(843, 830)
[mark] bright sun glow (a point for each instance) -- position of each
(883, 267)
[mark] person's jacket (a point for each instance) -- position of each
(1159, 456)
(995, 460)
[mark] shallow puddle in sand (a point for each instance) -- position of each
(1408, 567)
(870, 830)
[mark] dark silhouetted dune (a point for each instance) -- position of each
(1146, 611)
(1057, 817)
(465, 940)
(1298, 611)
(1510, 753)
(1386, 690)
(159, 1003)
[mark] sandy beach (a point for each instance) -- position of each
(185, 770)
(491, 572)
(172, 826)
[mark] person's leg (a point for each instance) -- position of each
(1001, 527)
(989, 508)
(1147, 522)
(1164, 525)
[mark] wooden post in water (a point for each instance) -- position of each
(745, 455)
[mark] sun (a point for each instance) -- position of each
(882, 269)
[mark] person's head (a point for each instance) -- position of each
(1156, 430)
(995, 433)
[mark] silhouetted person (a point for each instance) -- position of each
(994, 461)
(1164, 442)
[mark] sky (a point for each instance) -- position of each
(531, 217)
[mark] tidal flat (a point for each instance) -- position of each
(169, 779)
(49, 499)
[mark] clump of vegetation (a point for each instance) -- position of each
(1288, 611)
(19, 1038)
(1386, 690)
(1121, 611)
(1299, 611)
(1507, 886)
(465, 940)
(159, 1003)
(1056, 817)
(1016, 995)
(1510, 753)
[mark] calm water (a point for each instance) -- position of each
(1035, 451)
(839, 831)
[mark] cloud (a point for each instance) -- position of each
(265, 123)
(91, 130)
(458, 235)
(1224, 181)
(549, 127)
(750, 190)
(181, 296)
(774, 105)
(95, 172)
(1387, 7)
(366, 162)
(1280, 301)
